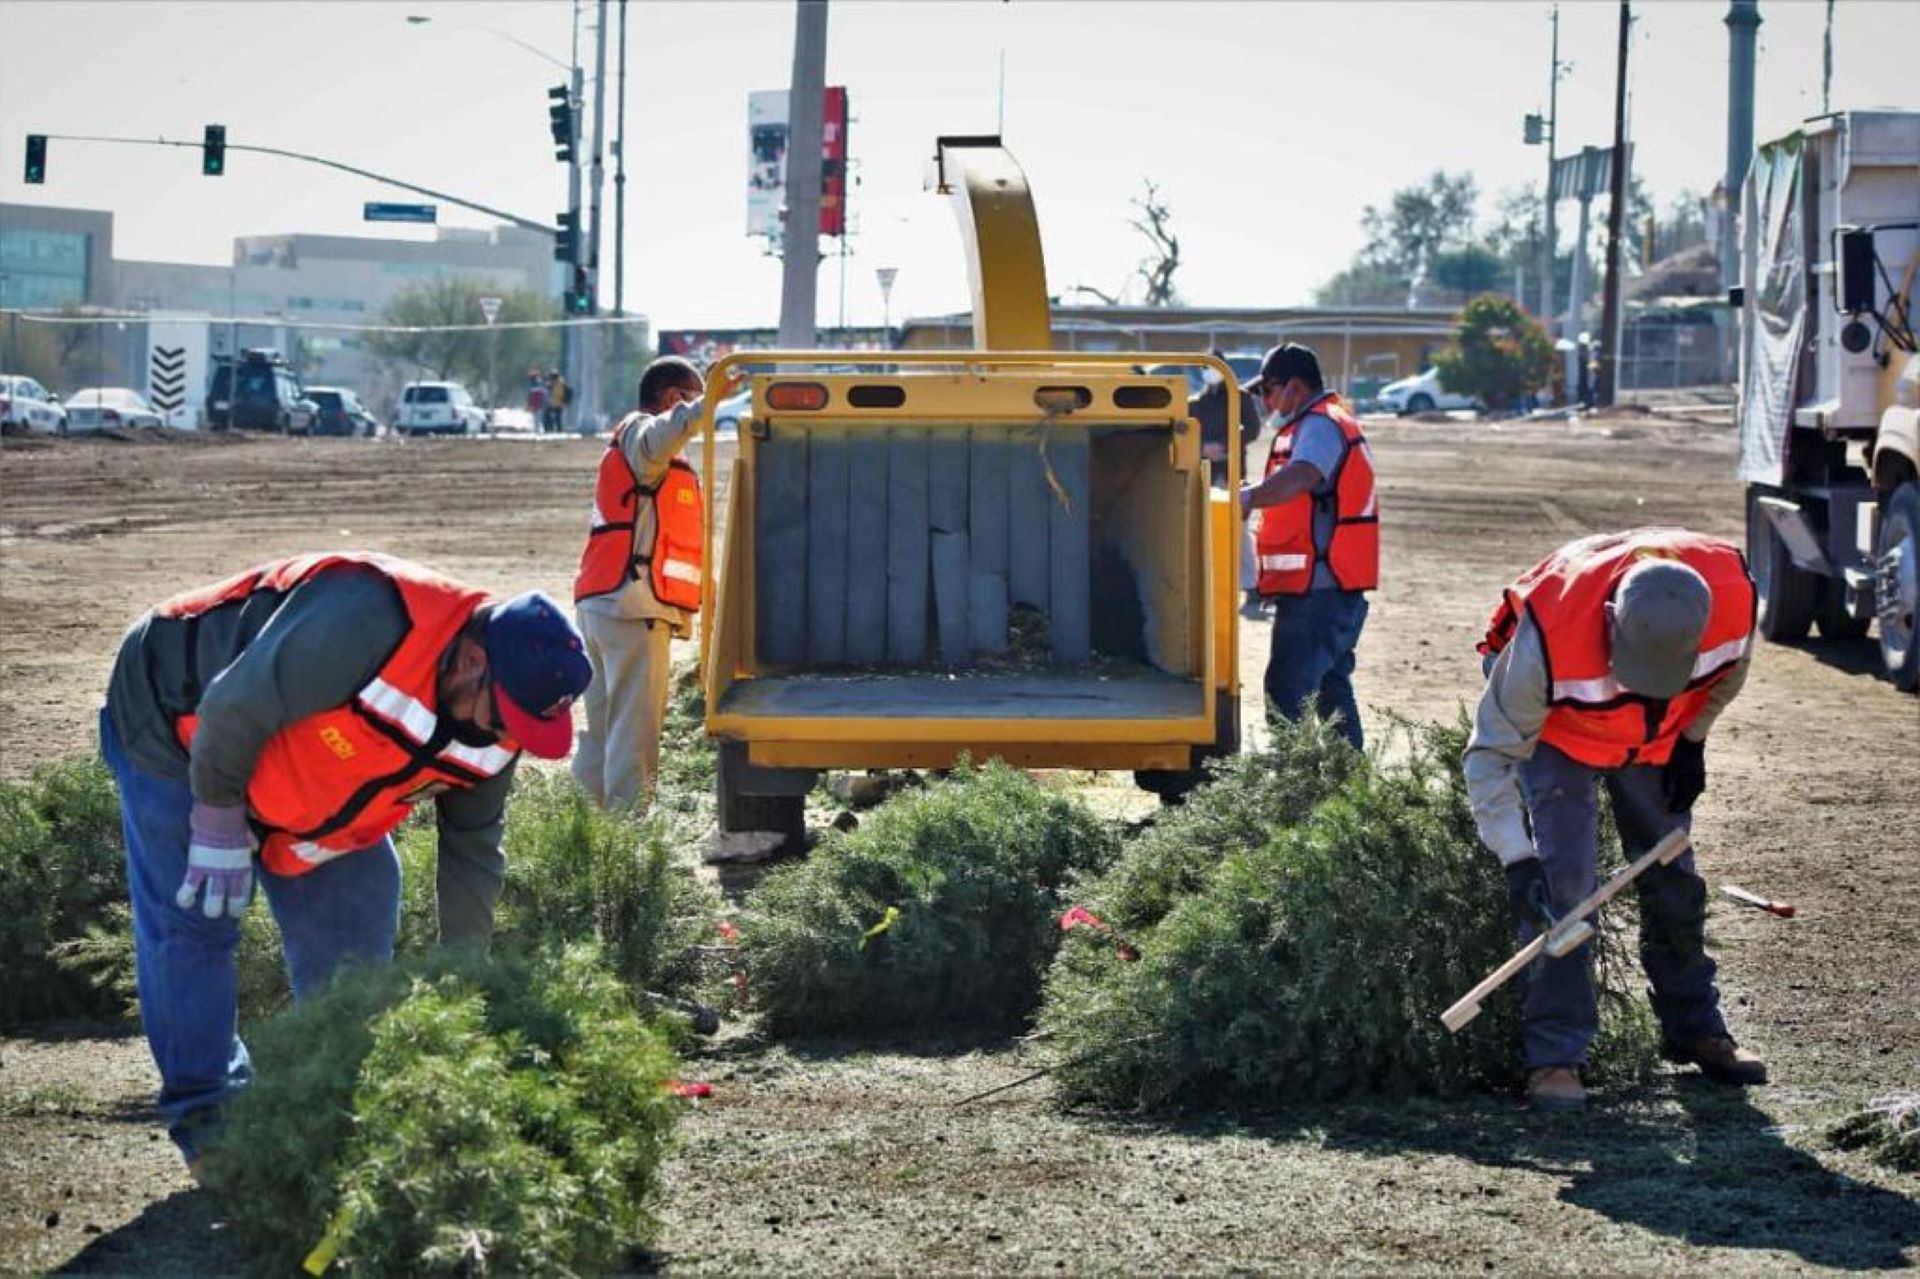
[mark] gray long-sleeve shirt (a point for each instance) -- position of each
(649, 446)
(250, 669)
(1507, 725)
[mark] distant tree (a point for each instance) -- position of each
(1469, 270)
(1363, 285)
(1500, 353)
(1154, 220)
(469, 355)
(1417, 223)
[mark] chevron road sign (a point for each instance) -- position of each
(167, 378)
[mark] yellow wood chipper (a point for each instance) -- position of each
(1004, 552)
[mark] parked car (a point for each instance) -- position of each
(28, 406)
(104, 406)
(438, 408)
(1422, 394)
(269, 396)
(339, 412)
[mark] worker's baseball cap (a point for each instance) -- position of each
(1660, 611)
(1282, 364)
(539, 666)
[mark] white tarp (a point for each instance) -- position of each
(1774, 318)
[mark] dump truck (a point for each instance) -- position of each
(1829, 404)
(1001, 552)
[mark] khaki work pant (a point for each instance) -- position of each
(618, 755)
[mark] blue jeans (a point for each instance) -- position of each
(1311, 663)
(184, 970)
(1558, 1010)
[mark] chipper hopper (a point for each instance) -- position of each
(1007, 552)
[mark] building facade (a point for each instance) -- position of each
(291, 288)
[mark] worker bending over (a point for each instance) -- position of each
(640, 582)
(1317, 550)
(1608, 662)
(281, 724)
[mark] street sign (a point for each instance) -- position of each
(490, 307)
(400, 213)
(1584, 174)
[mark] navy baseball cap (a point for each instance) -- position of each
(1282, 364)
(539, 666)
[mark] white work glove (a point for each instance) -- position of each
(220, 859)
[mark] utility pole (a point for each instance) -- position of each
(620, 209)
(806, 109)
(576, 92)
(1616, 220)
(1553, 138)
(593, 341)
(1826, 66)
(1743, 30)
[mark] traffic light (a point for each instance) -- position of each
(566, 241)
(213, 151)
(560, 121)
(580, 296)
(36, 157)
(1535, 129)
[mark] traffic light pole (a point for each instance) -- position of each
(513, 218)
(577, 90)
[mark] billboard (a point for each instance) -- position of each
(767, 162)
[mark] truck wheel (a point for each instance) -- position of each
(1896, 586)
(1834, 621)
(1787, 594)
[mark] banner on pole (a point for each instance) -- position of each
(767, 129)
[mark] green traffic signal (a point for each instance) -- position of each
(213, 151)
(36, 157)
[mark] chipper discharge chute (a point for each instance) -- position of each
(1009, 553)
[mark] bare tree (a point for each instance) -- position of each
(1156, 223)
(1154, 220)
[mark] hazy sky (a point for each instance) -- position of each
(1267, 125)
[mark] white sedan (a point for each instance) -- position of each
(24, 403)
(1422, 394)
(104, 406)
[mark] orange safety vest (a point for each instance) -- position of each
(610, 561)
(339, 780)
(1590, 715)
(1284, 545)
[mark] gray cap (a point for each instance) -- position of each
(1659, 614)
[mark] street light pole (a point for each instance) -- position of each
(1553, 137)
(620, 207)
(589, 386)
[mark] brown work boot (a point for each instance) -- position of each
(1556, 1088)
(1723, 1060)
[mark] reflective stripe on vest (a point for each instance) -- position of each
(1591, 716)
(1286, 552)
(611, 558)
(342, 779)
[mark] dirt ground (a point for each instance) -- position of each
(829, 1157)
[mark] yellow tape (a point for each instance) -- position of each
(328, 1248)
(886, 922)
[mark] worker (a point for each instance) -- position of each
(558, 396)
(1317, 549)
(1209, 409)
(639, 583)
(274, 728)
(1608, 663)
